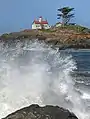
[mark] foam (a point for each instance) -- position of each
(41, 77)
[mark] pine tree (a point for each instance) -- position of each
(65, 14)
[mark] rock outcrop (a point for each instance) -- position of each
(37, 112)
(59, 37)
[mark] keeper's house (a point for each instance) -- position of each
(40, 24)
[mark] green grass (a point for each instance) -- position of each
(76, 28)
(6, 36)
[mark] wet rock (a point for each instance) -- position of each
(46, 112)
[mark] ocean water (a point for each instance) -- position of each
(33, 72)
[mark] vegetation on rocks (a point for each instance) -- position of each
(67, 35)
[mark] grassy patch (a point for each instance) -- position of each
(6, 36)
(76, 28)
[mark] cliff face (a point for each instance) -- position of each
(62, 37)
(37, 112)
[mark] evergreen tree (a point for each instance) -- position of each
(65, 14)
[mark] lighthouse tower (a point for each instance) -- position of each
(40, 19)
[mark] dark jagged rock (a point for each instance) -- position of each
(37, 112)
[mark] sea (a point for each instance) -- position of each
(33, 72)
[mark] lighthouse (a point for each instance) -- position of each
(40, 19)
(38, 24)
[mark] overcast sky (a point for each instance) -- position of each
(16, 15)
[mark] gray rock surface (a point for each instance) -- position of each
(36, 112)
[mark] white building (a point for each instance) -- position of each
(40, 24)
(58, 24)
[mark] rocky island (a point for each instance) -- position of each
(63, 34)
(69, 36)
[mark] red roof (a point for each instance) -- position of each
(42, 22)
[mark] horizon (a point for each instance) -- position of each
(18, 15)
